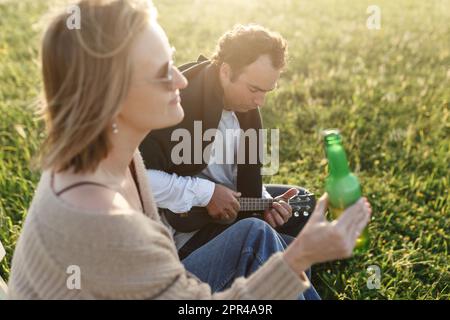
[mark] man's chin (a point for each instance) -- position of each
(251, 108)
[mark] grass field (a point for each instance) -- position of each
(388, 90)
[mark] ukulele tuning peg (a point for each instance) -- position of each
(296, 214)
(305, 213)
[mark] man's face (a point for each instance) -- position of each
(248, 91)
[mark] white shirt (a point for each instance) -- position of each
(180, 194)
(222, 167)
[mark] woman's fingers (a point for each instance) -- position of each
(352, 214)
(319, 211)
(354, 219)
(327, 241)
(359, 226)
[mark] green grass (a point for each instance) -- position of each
(387, 90)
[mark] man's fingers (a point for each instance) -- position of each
(286, 206)
(231, 212)
(224, 215)
(236, 205)
(289, 194)
(283, 209)
(234, 212)
(269, 219)
(277, 217)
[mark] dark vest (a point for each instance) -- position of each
(202, 101)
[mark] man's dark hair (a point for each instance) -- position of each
(244, 44)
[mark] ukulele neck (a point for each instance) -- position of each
(255, 204)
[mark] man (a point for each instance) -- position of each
(224, 93)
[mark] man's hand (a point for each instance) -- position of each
(281, 211)
(223, 204)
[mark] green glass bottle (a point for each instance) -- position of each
(342, 186)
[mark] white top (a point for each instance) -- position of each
(222, 166)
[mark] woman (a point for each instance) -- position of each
(92, 230)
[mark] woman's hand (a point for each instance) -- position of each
(321, 240)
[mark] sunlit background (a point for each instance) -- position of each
(388, 90)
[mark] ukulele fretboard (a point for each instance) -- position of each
(254, 204)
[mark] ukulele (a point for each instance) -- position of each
(198, 217)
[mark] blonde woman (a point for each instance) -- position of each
(92, 230)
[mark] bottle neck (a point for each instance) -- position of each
(337, 160)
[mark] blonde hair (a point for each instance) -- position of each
(86, 73)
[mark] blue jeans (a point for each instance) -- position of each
(237, 252)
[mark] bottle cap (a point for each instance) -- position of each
(331, 135)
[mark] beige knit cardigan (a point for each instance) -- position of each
(120, 254)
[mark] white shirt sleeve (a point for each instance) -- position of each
(178, 193)
(265, 194)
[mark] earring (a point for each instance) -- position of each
(114, 128)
